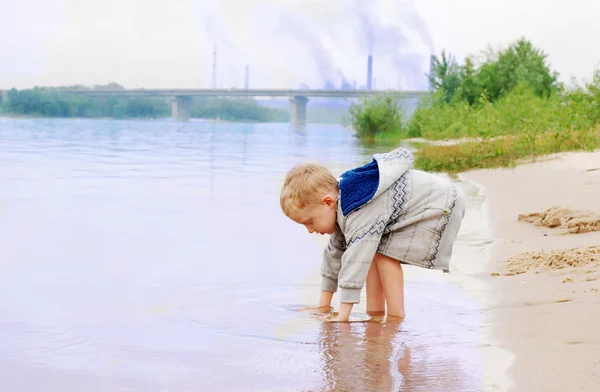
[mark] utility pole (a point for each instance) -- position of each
(431, 70)
(214, 73)
(247, 84)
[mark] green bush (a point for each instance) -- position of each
(377, 117)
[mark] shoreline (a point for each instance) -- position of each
(545, 318)
(470, 266)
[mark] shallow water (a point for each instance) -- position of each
(153, 256)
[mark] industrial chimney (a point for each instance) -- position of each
(247, 77)
(369, 71)
(431, 66)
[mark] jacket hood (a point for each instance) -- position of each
(363, 184)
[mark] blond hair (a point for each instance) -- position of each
(305, 184)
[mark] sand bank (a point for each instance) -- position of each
(544, 271)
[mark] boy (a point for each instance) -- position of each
(379, 216)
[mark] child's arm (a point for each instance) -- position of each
(331, 265)
(364, 234)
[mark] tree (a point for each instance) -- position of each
(520, 63)
(470, 88)
(446, 75)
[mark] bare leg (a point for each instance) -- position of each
(375, 298)
(392, 280)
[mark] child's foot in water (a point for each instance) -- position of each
(318, 309)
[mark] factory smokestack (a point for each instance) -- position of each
(247, 78)
(369, 71)
(431, 66)
(214, 70)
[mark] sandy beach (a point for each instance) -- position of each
(544, 272)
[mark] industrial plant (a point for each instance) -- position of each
(346, 85)
(370, 82)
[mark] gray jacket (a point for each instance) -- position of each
(388, 207)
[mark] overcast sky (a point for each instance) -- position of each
(169, 43)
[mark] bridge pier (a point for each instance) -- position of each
(298, 111)
(180, 108)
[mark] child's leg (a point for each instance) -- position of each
(392, 280)
(375, 298)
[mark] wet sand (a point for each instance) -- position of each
(544, 275)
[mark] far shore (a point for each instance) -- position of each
(545, 312)
(192, 119)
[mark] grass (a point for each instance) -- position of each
(504, 151)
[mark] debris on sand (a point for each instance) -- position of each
(564, 218)
(556, 260)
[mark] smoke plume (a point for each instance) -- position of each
(291, 24)
(335, 35)
(389, 40)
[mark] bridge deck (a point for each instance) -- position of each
(247, 93)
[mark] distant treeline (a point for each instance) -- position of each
(236, 109)
(53, 102)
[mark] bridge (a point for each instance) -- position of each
(181, 98)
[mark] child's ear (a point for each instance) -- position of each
(329, 201)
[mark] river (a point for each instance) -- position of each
(153, 256)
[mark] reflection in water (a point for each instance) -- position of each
(378, 356)
(360, 356)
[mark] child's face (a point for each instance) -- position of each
(319, 217)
